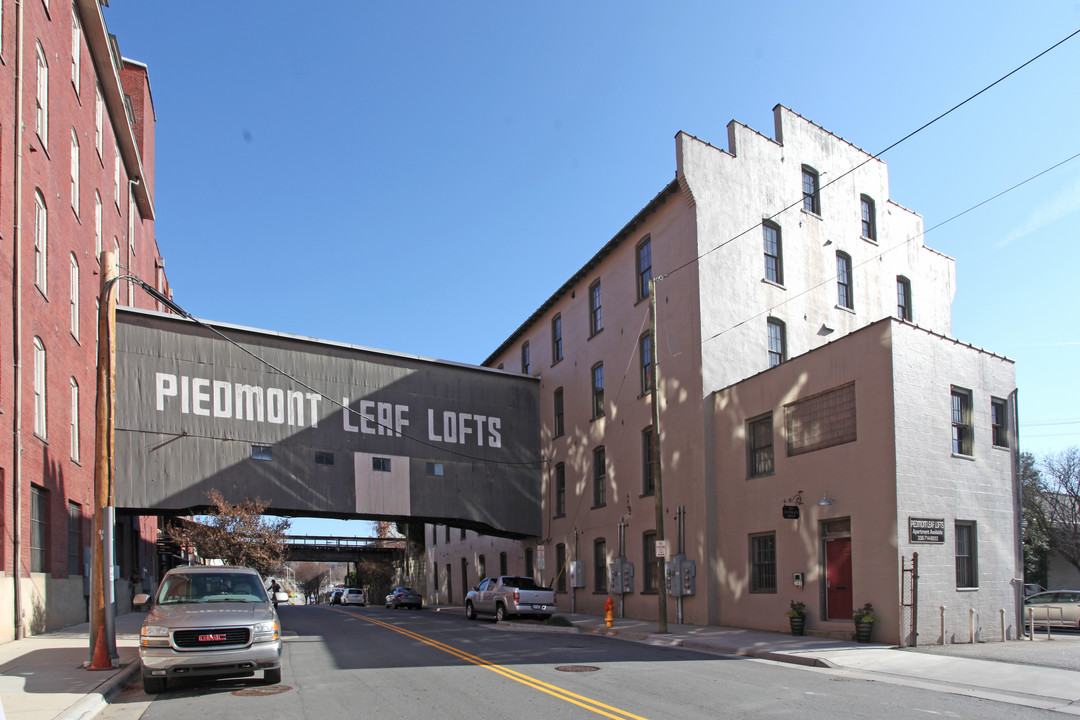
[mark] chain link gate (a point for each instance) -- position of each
(909, 601)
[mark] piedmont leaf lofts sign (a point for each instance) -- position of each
(330, 430)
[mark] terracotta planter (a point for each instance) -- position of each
(798, 624)
(863, 630)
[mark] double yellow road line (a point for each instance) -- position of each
(555, 691)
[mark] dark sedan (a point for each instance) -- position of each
(404, 597)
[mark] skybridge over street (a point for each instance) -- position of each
(325, 548)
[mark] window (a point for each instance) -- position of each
(39, 515)
(76, 48)
(41, 243)
(40, 426)
(97, 226)
(774, 259)
(434, 469)
(446, 536)
(556, 339)
(464, 576)
(560, 490)
(434, 534)
(869, 220)
(811, 198)
(530, 570)
(324, 458)
(759, 433)
(967, 560)
(844, 292)
(646, 364)
(600, 568)
(560, 568)
(644, 267)
(74, 171)
(502, 563)
(649, 582)
(821, 421)
(74, 420)
(560, 427)
(99, 117)
(73, 302)
(763, 563)
(648, 461)
(75, 566)
(599, 492)
(903, 298)
(41, 99)
(596, 316)
(261, 452)
(999, 422)
(462, 534)
(598, 390)
(777, 351)
(961, 422)
(380, 464)
(116, 180)
(525, 358)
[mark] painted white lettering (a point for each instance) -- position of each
(386, 418)
(252, 397)
(463, 427)
(222, 399)
(431, 435)
(275, 406)
(449, 419)
(313, 400)
(345, 413)
(185, 403)
(294, 399)
(480, 420)
(400, 421)
(366, 418)
(200, 396)
(494, 436)
(166, 386)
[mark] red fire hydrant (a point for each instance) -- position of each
(609, 607)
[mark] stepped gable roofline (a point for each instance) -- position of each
(660, 198)
(867, 328)
(778, 111)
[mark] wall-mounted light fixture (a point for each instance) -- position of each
(826, 499)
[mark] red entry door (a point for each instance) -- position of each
(838, 595)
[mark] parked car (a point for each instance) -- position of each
(209, 621)
(1057, 608)
(335, 597)
(507, 596)
(404, 597)
(353, 596)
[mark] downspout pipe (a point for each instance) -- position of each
(16, 326)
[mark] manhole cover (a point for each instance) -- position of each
(577, 668)
(260, 691)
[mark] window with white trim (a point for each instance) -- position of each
(74, 420)
(76, 48)
(74, 296)
(41, 243)
(962, 430)
(74, 171)
(40, 424)
(967, 557)
(774, 258)
(41, 98)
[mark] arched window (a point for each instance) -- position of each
(811, 190)
(40, 425)
(774, 258)
(74, 300)
(41, 243)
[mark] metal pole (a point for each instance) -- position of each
(661, 596)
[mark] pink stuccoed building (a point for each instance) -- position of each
(803, 353)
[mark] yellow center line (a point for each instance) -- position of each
(563, 694)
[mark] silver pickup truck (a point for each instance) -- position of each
(507, 596)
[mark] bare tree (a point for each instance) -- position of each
(312, 576)
(237, 534)
(1060, 500)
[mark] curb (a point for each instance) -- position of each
(94, 703)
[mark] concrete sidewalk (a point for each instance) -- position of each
(43, 677)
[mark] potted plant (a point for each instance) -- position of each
(797, 617)
(864, 622)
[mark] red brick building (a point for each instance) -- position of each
(76, 178)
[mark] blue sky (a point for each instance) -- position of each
(421, 176)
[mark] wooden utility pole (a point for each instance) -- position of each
(661, 595)
(102, 641)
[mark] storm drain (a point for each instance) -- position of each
(576, 668)
(260, 691)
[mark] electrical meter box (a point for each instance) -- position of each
(679, 576)
(621, 576)
(577, 574)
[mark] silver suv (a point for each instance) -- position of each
(209, 621)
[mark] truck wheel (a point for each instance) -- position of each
(470, 612)
(500, 613)
(153, 685)
(272, 677)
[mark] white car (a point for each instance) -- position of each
(353, 596)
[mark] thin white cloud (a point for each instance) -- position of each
(1065, 202)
